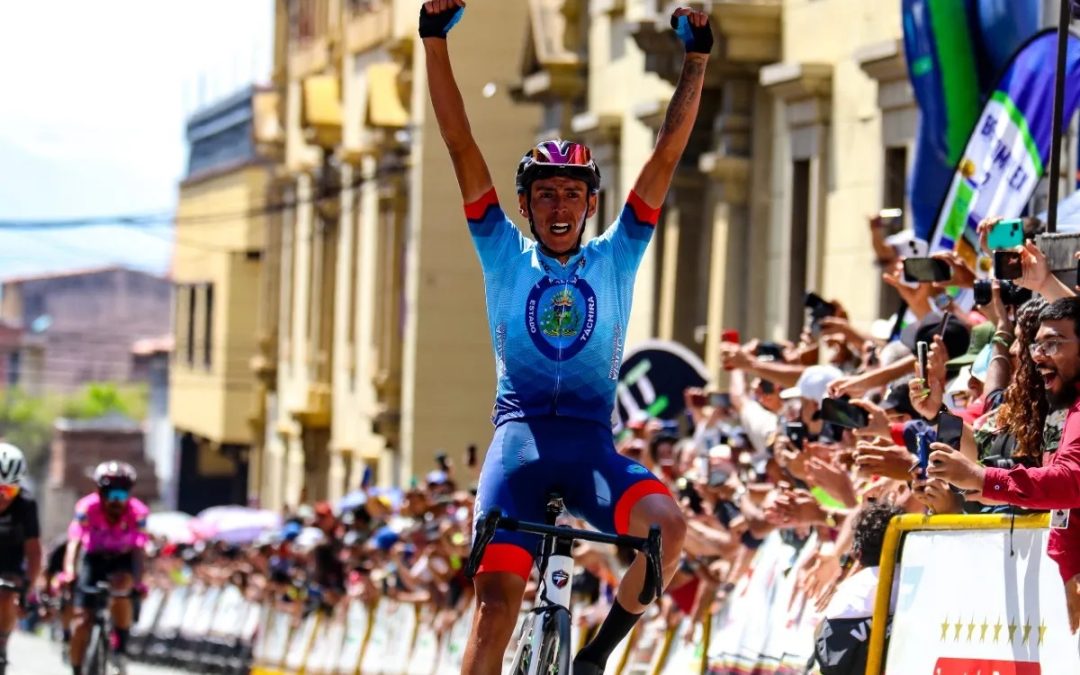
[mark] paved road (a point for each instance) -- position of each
(31, 655)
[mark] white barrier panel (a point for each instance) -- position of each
(357, 619)
(402, 635)
(228, 619)
(261, 645)
(276, 639)
(965, 605)
(425, 651)
(453, 647)
(759, 626)
(683, 656)
(196, 597)
(301, 642)
(326, 649)
(647, 650)
(152, 605)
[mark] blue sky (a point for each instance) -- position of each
(92, 123)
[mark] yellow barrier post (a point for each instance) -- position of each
(910, 522)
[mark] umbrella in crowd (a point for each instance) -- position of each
(172, 526)
(234, 524)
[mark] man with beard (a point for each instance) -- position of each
(1056, 351)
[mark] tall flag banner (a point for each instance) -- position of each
(1007, 151)
(955, 51)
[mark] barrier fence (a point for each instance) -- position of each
(1006, 610)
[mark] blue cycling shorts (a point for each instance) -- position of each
(531, 458)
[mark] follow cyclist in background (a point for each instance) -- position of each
(106, 539)
(20, 543)
(558, 310)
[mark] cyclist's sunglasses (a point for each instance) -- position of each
(116, 495)
(572, 154)
(9, 491)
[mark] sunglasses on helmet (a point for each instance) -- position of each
(9, 491)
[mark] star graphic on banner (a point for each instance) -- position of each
(971, 629)
(945, 629)
(997, 630)
(1042, 631)
(1027, 632)
(957, 627)
(982, 631)
(1012, 631)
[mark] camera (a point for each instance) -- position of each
(1011, 294)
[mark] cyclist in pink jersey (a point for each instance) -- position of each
(106, 538)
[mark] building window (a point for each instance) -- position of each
(893, 193)
(352, 294)
(191, 299)
(208, 327)
(798, 245)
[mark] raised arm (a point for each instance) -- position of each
(693, 29)
(437, 17)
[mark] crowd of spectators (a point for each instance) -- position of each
(834, 434)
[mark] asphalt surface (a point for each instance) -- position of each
(32, 655)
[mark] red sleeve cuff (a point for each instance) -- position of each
(897, 431)
(477, 209)
(995, 483)
(642, 211)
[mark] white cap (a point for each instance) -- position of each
(813, 383)
(907, 245)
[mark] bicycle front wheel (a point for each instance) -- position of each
(96, 659)
(554, 657)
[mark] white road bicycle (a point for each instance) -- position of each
(543, 643)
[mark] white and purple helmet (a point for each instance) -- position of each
(558, 158)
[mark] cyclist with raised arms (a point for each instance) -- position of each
(558, 311)
(109, 531)
(20, 543)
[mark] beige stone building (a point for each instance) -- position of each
(375, 346)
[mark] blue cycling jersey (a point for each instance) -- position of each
(558, 330)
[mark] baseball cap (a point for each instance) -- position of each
(813, 383)
(898, 400)
(956, 336)
(980, 337)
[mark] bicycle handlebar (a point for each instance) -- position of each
(651, 546)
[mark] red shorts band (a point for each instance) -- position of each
(506, 558)
(634, 494)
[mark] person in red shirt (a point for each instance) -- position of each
(1056, 484)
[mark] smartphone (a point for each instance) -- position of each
(922, 451)
(440, 459)
(950, 429)
(922, 351)
(1007, 265)
(770, 350)
(890, 214)
(984, 289)
(926, 269)
(843, 414)
(1006, 234)
(471, 456)
(796, 432)
(720, 400)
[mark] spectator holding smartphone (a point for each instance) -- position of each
(1056, 485)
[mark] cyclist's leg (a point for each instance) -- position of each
(8, 613)
(90, 573)
(512, 480)
(121, 581)
(617, 494)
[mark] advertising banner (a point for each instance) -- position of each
(1007, 152)
(985, 601)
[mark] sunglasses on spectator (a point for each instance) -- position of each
(1049, 346)
(9, 491)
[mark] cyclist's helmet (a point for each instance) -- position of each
(114, 475)
(12, 464)
(558, 158)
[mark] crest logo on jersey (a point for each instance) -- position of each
(560, 316)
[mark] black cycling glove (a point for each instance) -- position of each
(438, 25)
(698, 40)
